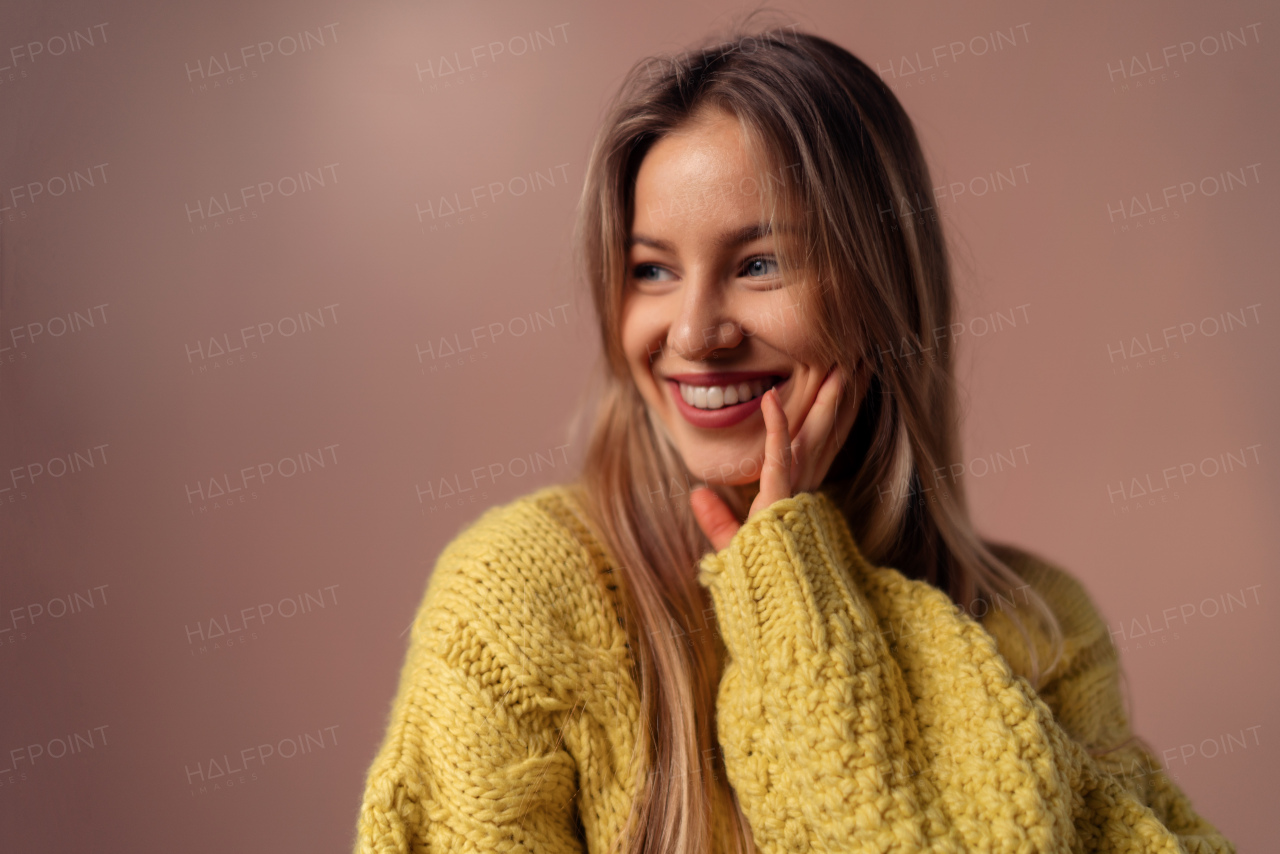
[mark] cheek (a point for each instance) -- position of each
(777, 328)
(635, 348)
(640, 332)
(792, 328)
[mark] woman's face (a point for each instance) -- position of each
(707, 322)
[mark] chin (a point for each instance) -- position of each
(730, 469)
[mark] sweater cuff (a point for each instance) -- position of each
(778, 578)
(786, 515)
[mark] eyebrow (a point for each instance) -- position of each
(747, 234)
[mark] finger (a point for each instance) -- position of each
(714, 517)
(818, 433)
(775, 473)
(851, 394)
(846, 414)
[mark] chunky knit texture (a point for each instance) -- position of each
(859, 710)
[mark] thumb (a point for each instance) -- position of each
(714, 517)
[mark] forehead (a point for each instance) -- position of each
(699, 177)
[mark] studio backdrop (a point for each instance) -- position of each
(287, 299)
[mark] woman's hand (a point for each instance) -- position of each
(790, 466)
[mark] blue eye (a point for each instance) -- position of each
(760, 266)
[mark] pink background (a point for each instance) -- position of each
(1080, 133)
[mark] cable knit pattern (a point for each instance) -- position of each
(859, 710)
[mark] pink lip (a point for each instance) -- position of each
(726, 416)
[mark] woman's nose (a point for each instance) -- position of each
(703, 324)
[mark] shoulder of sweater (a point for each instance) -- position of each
(531, 536)
(1066, 596)
(524, 571)
(1085, 636)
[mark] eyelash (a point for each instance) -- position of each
(636, 271)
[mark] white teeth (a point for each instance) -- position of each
(718, 397)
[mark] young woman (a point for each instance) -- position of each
(761, 619)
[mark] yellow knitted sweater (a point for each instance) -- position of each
(859, 710)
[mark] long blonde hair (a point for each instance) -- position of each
(839, 153)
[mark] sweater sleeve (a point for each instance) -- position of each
(1128, 758)
(809, 712)
(861, 710)
(1086, 698)
(469, 762)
